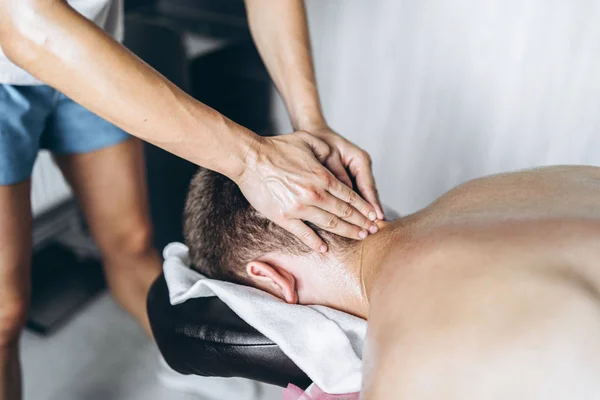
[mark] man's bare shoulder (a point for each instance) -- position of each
(536, 194)
(484, 231)
(549, 177)
(463, 312)
(496, 259)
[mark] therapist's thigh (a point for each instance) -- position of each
(15, 256)
(110, 184)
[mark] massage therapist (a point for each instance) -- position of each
(67, 85)
(282, 177)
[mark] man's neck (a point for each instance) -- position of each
(347, 283)
(371, 257)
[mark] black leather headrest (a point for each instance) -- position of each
(205, 337)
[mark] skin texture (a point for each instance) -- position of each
(283, 177)
(491, 292)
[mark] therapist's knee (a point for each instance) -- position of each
(132, 237)
(13, 315)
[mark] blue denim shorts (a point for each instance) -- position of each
(40, 117)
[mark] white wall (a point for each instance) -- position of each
(441, 91)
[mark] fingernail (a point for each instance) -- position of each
(373, 229)
(372, 215)
(362, 234)
(323, 248)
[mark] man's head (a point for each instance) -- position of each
(229, 240)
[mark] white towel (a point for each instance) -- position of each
(325, 343)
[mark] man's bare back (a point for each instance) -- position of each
(491, 292)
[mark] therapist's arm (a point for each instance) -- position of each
(280, 31)
(65, 50)
(280, 177)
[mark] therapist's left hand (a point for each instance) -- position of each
(346, 158)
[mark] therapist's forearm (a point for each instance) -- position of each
(280, 31)
(63, 49)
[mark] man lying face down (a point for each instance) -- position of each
(491, 292)
(229, 240)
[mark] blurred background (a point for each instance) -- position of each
(438, 92)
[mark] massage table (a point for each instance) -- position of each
(204, 337)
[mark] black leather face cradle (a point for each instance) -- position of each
(205, 337)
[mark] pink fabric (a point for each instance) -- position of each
(293, 392)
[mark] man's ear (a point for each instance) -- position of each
(277, 281)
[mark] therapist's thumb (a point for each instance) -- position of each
(320, 149)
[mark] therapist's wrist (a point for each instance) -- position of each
(241, 154)
(310, 125)
(308, 117)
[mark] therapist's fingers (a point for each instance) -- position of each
(365, 182)
(362, 171)
(349, 196)
(347, 213)
(306, 235)
(335, 224)
(336, 166)
(290, 180)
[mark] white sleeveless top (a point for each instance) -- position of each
(107, 14)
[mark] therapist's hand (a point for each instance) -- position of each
(286, 181)
(347, 158)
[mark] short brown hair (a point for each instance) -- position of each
(224, 232)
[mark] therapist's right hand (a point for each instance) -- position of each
(285, 180)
